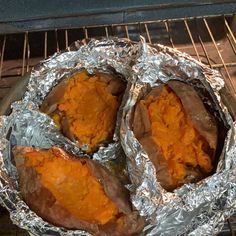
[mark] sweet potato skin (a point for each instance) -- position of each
(72, 115)
(203, 122)
(116, 87)
(42, 201)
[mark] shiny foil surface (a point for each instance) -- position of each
(27, 126)
(194, 209)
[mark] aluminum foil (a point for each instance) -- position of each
(102, 55)
(29, 127)
(193, 209)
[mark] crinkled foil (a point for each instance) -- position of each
(29, 127)
(103, 55)
(193, 209)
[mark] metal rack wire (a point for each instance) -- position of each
(211, 40)
(209, 50)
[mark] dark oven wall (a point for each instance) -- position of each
(32, 15)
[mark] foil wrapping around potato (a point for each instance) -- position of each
(195, 209)
(27, 126)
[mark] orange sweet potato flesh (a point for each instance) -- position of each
(177, 132)
(74, 193)
(85, 107)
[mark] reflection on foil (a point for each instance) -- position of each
(195, 209)
(27, 126)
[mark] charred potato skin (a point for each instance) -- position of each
(204, 123)
(43, 203)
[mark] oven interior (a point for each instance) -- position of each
(209, 39)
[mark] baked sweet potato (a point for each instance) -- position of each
(85, 107)
(75, 193)
(177, 132)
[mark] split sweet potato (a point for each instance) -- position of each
(177, 132)
(85, 107)
(75, 193)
